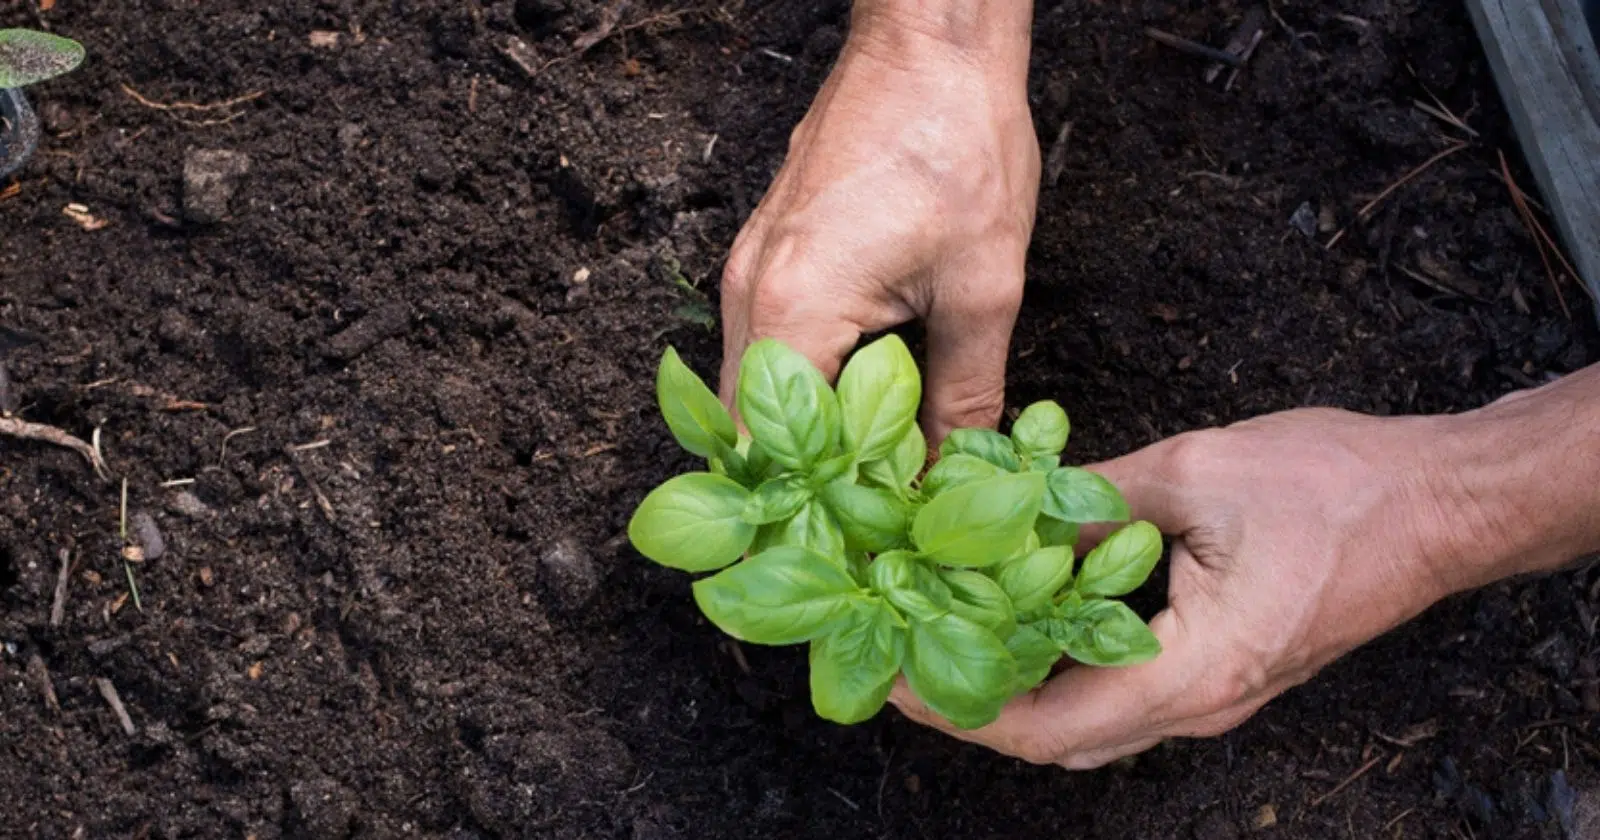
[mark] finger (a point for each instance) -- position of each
(969, 335)
(738, 282)
(1151, 488)
(1100, 758)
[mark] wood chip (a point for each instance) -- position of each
(41, 675)
(322, 39)
(1266, 817)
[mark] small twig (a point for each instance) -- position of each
(307, 447)
(316, 489)
(738, 656)
(13, 427)
(845, 799)
(1532, 225)
(1444, 116)
(176, 482)
(1189, 47)
(1361, 215)
(58, 606)
(230, 436)
(1350, 780)
(109, 692)
(1396, 821)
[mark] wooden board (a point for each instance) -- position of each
(1546, 65)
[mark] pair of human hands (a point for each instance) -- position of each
(909, 191)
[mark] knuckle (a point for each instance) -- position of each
(1035, 748)
(1190, 458)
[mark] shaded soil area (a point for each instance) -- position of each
(382, 384)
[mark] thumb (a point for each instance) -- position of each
(969, 336)
(1151, 485)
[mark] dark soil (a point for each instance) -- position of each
(425, 620)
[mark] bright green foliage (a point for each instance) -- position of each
(28, 57)
(964, 578)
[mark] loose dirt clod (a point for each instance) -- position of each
(210, 179)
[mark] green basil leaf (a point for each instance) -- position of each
(1041, 429)
(960, 669)
(956, 470)
(986, 444)
(1055, 532)
(810, 527)
(1122, 562)
(853, 668)
(692, 523)
(1108, 634)
(872, 520)
(856, 563)
(782, 596)
(879, 391)
(697, 419)
(1032, 580)
(981, 523)
(1035, 653)
(787, 405)
(834, 469)
(898, 471)
(776, 500)
(979, 599)
(910, 584)
(759, 465)
(1044, 463)
(729, 461)
(1077, 495)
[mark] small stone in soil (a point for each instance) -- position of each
(210, 178)
(568, 573)
(1305, 220)
(148, 536)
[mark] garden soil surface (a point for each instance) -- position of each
(379, 382)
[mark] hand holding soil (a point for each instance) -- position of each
(909, 191)
(1304, 534)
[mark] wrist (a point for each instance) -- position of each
(1512, 487)
(993, 35)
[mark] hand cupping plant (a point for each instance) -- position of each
(822, 527)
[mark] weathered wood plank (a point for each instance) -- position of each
(1546, 65)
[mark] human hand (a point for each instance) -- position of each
(909, 191)
(1298, 536)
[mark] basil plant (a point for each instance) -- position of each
(823, 527)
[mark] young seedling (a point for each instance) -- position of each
(822, 527)
(27, 58)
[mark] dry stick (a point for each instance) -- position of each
(1184, 45)
(58, 607)
(1362, 214)
(1527, 219)
(1545, 234)
(13, 427)
(1339, 788)
(109, 692)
